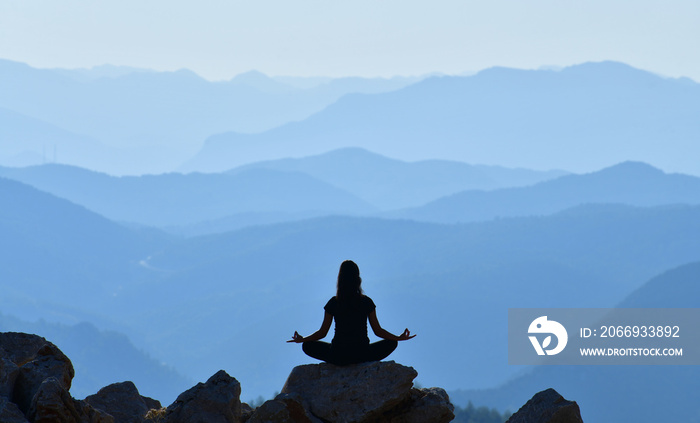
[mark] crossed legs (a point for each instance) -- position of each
(345, 355)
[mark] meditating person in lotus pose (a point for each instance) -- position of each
(350, 308)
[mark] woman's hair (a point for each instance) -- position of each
(349, 281)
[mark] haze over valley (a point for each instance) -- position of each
(173, 226)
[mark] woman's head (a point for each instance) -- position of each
(349, 280)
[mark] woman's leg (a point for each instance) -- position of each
(345, 355)
(318, 350)
(380, 350)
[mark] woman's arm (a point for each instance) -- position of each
(382, 333)
(319, 334)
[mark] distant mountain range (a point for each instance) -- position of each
(445, 247)
(26, 141)
(636, 184)
(675, 288)
(581, 118)
(176, 199)
(201, 296)
(351, 182)
(158, 119)
(610, 394)
(391, 184)
(52, 246)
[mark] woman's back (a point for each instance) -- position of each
(350, 315)
(350, 309)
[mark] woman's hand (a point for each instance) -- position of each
(406, 335)
(298, 338)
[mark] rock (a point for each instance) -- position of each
(428, 405)
(37, 359)
(547, 407)
(357, 393)
(50, 362)
(53, 404)
(35, 378)
(123, 402)
(246, 412)
(216, 401)
(377, 392)
(8, 375)
(151, 403)
(20, 348)
(285, 408)
(10, 413)
(269, 412)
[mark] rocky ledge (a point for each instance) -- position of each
(547, 407)
(35, 379)
(369, 392)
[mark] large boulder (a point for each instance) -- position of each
(285, 408)
(20, 348)
(10, 413)
(8, 376)
(216, 401)
(37, 360)
(53, 404)
(246, 412)
(547, 407)
(356, 393)
(123, 402)
(367, 392)
(427, 405)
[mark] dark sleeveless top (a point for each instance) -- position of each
(350, 319)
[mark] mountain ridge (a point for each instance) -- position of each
(632, 183)
(515, 118)
(176, 199)
(602, 389)
(160, 118)
(393, 184)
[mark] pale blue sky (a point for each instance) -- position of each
(221, 38)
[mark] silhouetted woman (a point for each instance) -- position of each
(350, 309)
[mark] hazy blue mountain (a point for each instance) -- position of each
(241, 220)
(349, 181)
(231, 300)
(392, 184)
(259, 285)
(26, 141)
(618, 393)
(581, 118)
(161, 118)
(51, 249)
(176, 199)
(63, 263)
(101, 358)
(262, 82)
(101, 71)
(675, 288)
(303, 82)
(349, 84)
(358, 85)
(631, 183)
